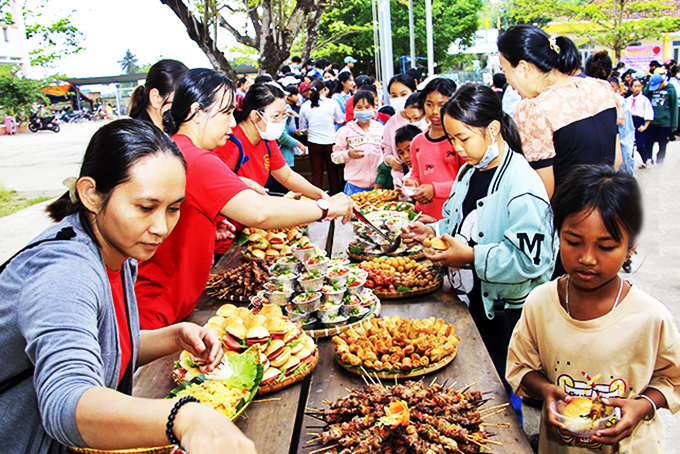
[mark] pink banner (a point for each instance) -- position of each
(638, 57)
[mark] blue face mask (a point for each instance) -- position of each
(492, 152)
(364, 116)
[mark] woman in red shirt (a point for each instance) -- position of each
(200, 120)
(252, 152)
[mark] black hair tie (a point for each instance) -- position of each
(171, 418)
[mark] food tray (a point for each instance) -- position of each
(325, 332)
(414, 373)
(362, 258)
(423, 291)
(270, 388)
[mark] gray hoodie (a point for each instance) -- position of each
(57, 313)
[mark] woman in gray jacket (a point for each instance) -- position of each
(69, 329)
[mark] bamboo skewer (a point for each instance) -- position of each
(453, 384)
(378, 378)
(314, 440)
(323, 449)
(494, 413)
(433, 380)
(273, 399)
(494, 408)
(465, 388)
(494, 442)
(502, 425)
(471, 440)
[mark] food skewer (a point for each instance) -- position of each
(503, 425)
(323, 449)
(465, 388)
(494, 413)
(494, 408)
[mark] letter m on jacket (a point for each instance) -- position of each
(528, 247)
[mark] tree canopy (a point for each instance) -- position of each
(267, 27)
(50, 38)
(347, 29)
(612, 23)
(129, 63)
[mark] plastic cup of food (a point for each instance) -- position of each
(358, 272)
(309, 323)
(303, 253)
(332, 294)
(355, 285)
(338, 275)
(327, 311)
(307, 302)
(278, 294)
(294, 314)
(368, 297)
(349, 302)
(289, 263)
(336, 320)
(355, 312)
(317, 263)
(259, 300)
(311, 281)
(338, 261)
(584, 426)
(395, 224)
(286, 278)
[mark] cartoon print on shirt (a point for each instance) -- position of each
(429, 168)
(450, 156)
(616, 388)
(266, 161)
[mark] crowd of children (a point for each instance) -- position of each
(484, 180)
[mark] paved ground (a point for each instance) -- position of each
(36, 164)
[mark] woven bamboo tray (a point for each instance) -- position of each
(270, 388)
(423, 291)
(414, 373)
(325, 332)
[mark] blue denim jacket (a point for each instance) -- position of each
(517, 246)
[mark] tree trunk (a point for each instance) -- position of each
(312, 31)
(201, 36)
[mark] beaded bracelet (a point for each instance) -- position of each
(171, 419)
(643, 396)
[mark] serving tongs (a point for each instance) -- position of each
(386, 248)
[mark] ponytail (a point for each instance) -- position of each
(138, 102)
(533, 45)
(315, 93)
(511, 134)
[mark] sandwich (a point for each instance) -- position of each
(281, 358)
(274, 349)
(257, 253)
(276, 327)
(186, 368)
(436, 243)
(226, 310)
(270, 376)
(234, 336)
(291, 365)
(271, 253)
(257, 335)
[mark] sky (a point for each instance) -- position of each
(147, 27)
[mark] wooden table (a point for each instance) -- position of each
(279, 427)
(273, 426)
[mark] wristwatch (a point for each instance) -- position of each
(325, 206)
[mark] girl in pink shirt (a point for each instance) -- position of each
(358, 145)
(434, 162)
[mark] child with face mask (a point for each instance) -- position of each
(358, 145)
(497, 221)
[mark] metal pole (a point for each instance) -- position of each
(412, 37)
(430, 42)
(376, 41)
(385, 28)
(18, 19)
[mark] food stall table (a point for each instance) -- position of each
(271, 425)
(471, 365)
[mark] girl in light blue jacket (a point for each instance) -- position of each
(497, 220)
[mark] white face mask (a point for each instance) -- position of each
(364, 116)
(422, 124)
(399, 104)
(492, 152)
(273, 130)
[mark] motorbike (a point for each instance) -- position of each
(36, 123)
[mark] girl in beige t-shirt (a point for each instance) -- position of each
(590, 333)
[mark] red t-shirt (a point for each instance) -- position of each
(349, 109)
(434, 162)
(256, 168)
(116, 281)
(169, 283)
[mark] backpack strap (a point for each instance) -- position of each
(242, 159)
(64, 234)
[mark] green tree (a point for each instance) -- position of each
(50, 39)
(271, 27)
(347, 29)
(128, 63)
(615, 24)
(17, 94)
